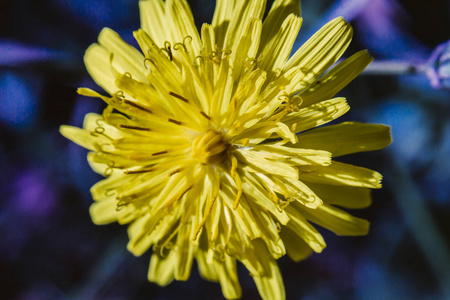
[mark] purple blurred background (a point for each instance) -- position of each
(49, 248)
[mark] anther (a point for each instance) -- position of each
(245, 142)
(205, 217)
(179, 97)
(170, 53)
(175, 199)
(138, 171)
(174, 121)
(294, 127)
(168, 50)
(160, 153)
(205, 115)
(138, 106)
(175, 172)
(134, 127)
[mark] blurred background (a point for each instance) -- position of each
(49, 248)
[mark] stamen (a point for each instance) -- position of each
(162, 215)
(282, 203)
(100, 130)
(175, 172)
(233, 165)
(178, 46)
(148, 62)
(174, 121)
(205, 115)
(134, 127)
(168, 242)
(199, 60)
(138, 171)
(108, 171)
(239, 192)
(203, 221)
(175, 199)
(138, 106)
(160, 153)
(293, 127)
(179, 97)
(226, 52)
(170, 53)
(278, 226)
(110, 192)
(237, 126)
(245, 142)
(167, 50)
(128, 199)
(187, 38)
(237, 180)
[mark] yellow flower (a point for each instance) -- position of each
(208, 144)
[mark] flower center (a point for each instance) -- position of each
(209, 148)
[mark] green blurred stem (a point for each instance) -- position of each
(395, 67)
(103, 272)
(420, 221)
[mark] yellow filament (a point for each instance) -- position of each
(205, 217)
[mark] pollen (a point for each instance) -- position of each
(209, 148)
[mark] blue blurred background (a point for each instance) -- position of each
(49, 249)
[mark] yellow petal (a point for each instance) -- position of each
(276, 51)
(104, 212)
(290, 189)
(322, 50)
(341, 174)
(300, 226)
(96, 124)
(247, 48)
(346, 138)
(162, 268)
(316, 114)
(256, 162)
(181, 22)
(243, 213)
(223, 90)
(269, 129)
(227, 274)
(256, 192)
(243, 13)
(126, 58)
(139, 239)
(270, 235)
(279, 11)
(97, 61)
(300, 192)
(336, 79)
(221, 19)
(206, 270)
(295, 156)
(185, 252)
(270, 284)
(296, 247)
(80, 136)
(153, 20)
(335, 220)
(345, 196)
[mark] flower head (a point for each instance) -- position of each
(208, 140)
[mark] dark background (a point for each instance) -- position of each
(49, 248)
